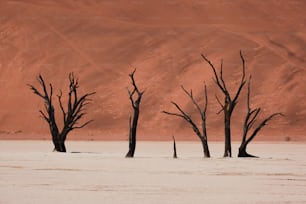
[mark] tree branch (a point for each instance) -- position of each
(242, 78)
(174, 114)
(61, 106)
(206, 98)
(219, 102)
(261, 125)
(78, 127)
(44, 116)
(252, 115)
(217, 81)
(187, 118)
(192, 99)
(222, 79)
(135, 90)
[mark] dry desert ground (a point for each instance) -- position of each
(97, 172)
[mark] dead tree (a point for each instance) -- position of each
(174, 148)
(71, 117)
(248, 124)
(201, 135)
(133, 121)
(229, 102)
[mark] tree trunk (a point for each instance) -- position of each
(132, 134)
(205, 148)
(55, 137)
(62, 147)
(59, 144)
(56, 144)
(242, 151)
(227, 139)
(132, 147)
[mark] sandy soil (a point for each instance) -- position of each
(103, 41)
(30, 173)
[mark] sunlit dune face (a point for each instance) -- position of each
(103, 41)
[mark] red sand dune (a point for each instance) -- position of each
(102, 41)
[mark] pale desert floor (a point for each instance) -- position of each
(99, 173)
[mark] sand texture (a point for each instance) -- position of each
(99, 173)
(103, 41)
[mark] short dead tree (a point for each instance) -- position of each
(248, 124)
(174, 148)
(229, 102)
(135, 102)
(201, 135)
(71, 117)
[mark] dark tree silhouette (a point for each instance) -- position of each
(133, 122)
(201, 135)
(74, 113)
(248, 124)
(229, 103)
(174, 148)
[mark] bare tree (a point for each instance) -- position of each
(201, 135)
(229, 102)
(248, 124)
(74, 113)
(133, 124)
(174, 148)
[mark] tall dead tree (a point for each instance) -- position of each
(133, 121)
(71, 117)
(248, 124)
(201, 135)
(229, 102)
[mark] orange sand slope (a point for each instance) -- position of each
(102, 41)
